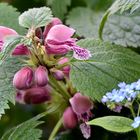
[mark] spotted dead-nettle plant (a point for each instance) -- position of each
(45, 74)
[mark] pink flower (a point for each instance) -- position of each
(59, 41)
(69, 118)
(4, 32)
(23, 79)
(82, 106)
(41, 76)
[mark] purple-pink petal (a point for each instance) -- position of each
(81, 104)
(4, 32)
(60, 33)
(55, 21)
(86, 130)
(81, 53)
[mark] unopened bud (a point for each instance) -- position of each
(36, 95)
(20, 97)
(41, 76)
(69, 118)
(65, 69)
(23, 78)
(58, 74)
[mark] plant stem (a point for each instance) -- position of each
(138, 133)
(55, 130)
(132, 111)
(138, 110)
(59, 87)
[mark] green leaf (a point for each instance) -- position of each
(109, 65)
(36, 17)
(10, 44)
(9, 17)
(25, 131)
(98, 4)
(85, 21)
(113, 123)
(7, 71)
(124, 5)
(59, 7)
(123, 29)
(118, 5)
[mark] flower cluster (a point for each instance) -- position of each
(47, 71)
(122, 96)
(32, 86)
(80, 111)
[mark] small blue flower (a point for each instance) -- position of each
(125, 93)
(122, 85)
(104, 99)
(133, 85)
(137, 85)
(136, 122)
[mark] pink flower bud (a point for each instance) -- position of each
(20, 97)
(36, 95)
(81, 104)
(41, 76)
(65, 69)
(23, 78)
(58, 74)
(20, 50)
(69, 118)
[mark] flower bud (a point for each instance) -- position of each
(20, 97)
(65, 69)
(20, 50)
(58, 74)
(69, 118)
(36, 95)
(41, 76)
(23, 78)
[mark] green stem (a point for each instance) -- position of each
(138, 109)
(60, 88)
(62, 65)
(138, 133)
(102, 24)
(132, 111)
(55, 130)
